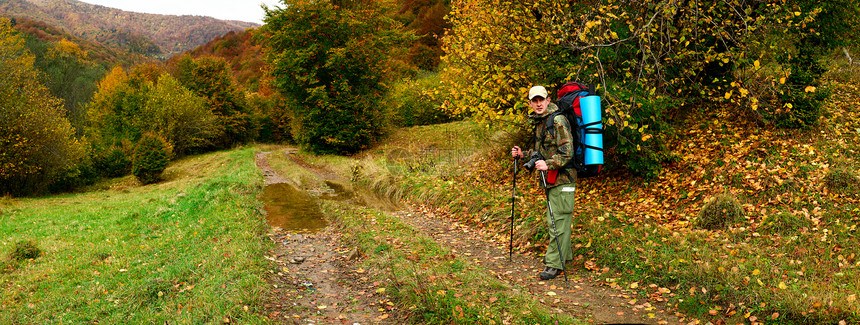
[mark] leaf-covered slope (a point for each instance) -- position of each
(150, 34)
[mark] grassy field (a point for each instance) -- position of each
(191, 250)
(186, 250)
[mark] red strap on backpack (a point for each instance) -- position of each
(551, 176)
(568, 87)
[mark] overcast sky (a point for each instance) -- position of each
(244, 10)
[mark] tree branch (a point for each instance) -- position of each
(635, 35)
(848, 56)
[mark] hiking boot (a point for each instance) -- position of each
(549, 273)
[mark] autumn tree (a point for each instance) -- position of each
(212, 79)
(149, 100)
(426, 18)
(37, 142)
(648, 57)
(151, 157)
(180, 116)
(69, 75)
(333, 59)
(117, 110)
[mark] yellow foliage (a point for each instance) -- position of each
(65, 48)
(35, 136)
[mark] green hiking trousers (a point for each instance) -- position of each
(561, 199)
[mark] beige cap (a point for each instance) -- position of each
(537, 91)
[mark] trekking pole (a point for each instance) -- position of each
(513, 203)
(552, 218)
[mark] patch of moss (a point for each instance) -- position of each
(719, 212)
(25, 249)
(841, 180)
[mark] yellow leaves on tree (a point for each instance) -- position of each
(98, 109)
(648, 57)
(37, 142)
(497, 48)
(65, 47)
(127, 106)
(493, 56)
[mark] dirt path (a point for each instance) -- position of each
(318, 283)
(582, 296)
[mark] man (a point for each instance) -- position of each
(556, 147)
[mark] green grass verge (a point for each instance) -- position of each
(186, 250)
(429, 283)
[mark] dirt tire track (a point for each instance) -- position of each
(315, 281)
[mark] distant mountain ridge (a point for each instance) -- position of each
(154, 35)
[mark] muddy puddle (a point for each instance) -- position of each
(291, 209)
(294, 210)
(360, 195)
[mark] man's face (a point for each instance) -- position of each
(538, 104)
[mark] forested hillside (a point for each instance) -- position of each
(242, 52)
(159, 36)
(72, 66)
(96, 51)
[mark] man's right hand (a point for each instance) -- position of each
(516, 152)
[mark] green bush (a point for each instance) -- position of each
(25, 249)
(113, 161)
(805, 107)
(640, 147)
(719, 212)
(802, 107)
(411, 103)
(783, 224)
(841, 180)
(151, 156)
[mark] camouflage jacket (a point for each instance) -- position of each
(557, 146)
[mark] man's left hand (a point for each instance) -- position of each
(541, 165)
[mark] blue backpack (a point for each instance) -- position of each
(573, 99)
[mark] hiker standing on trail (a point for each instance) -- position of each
(556, 150)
